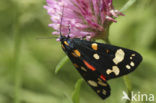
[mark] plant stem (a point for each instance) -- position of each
(128, 87)
(17, 46)
(17, 71)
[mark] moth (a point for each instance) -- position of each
(98, 62)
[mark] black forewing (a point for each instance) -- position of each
(91, 77)
(107, 54)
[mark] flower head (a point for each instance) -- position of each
(86, 18)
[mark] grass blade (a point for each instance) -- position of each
(127, 5)
(76, 92)
(60, 64)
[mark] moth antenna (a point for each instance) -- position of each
(45, 37)
(61, 20)
(69, 28)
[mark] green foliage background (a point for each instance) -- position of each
(29, 54)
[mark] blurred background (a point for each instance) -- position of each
(29, 54)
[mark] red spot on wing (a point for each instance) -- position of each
(103, 77)
(89, 66)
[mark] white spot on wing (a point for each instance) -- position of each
(115, 70)
(128, 67)
(102, 83)
(119, 56)
(92, 83)
(104, 92)
(132, 64)
(96, 56)
(84, 69)
(109, 71)
(133, 55)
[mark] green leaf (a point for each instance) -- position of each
(60, 64)
(127, 5)
(76, 92)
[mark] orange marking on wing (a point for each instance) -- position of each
(63, 46)
(94, 46)
(74, 55)
(77, 53)
(107, 51)
(103, 77)
(76, 66)
(89, 66)
(65, 42)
